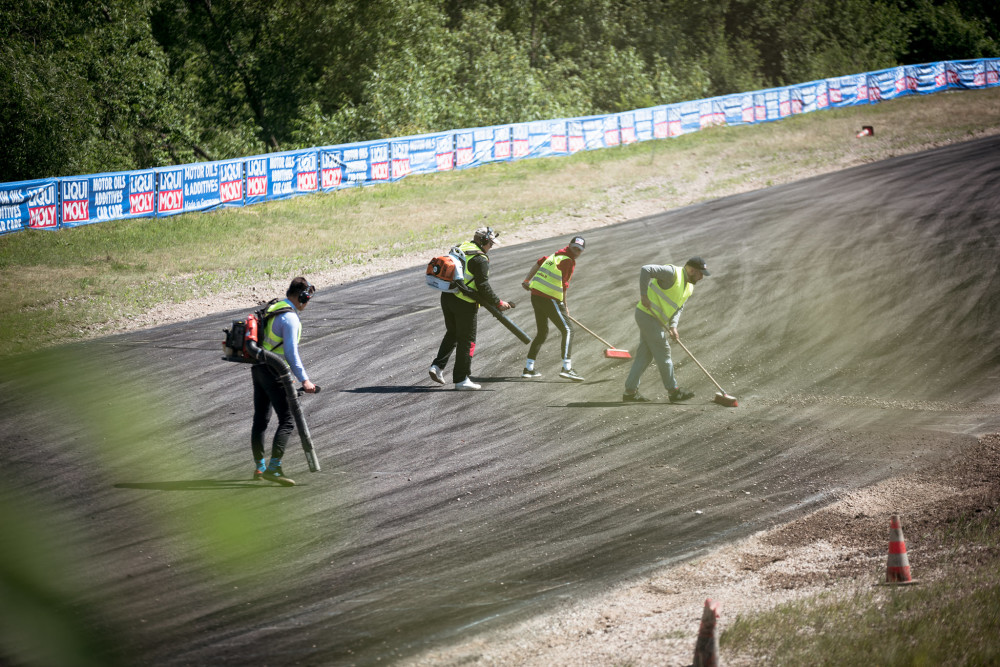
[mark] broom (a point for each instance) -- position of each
(721, 398)
(612, 351)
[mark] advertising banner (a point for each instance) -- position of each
(661, 122)
(28, 205)
(574, 130)
(887, 83)
(422, 154)
(593, 132)
(111, 196)
(846, 91)
(992, 71)
(710, 113)
(736, 109)
(643, 123)
(502, 143)
(612, 134)
(626, 127)
(365, 163)
(169, 191)
(464, 149)
(331, 168)
(520, 141)
(689, 117)
(547, 137)
(809, 97)
(927, 78)
(966, 74)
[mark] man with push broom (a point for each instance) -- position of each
(663, 291)
(548, 281)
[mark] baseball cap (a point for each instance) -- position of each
(485, 235)
(578, 242)
(698, 263)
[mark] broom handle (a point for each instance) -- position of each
(591, 332)
(700, 366)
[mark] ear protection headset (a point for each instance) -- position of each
(306, 293)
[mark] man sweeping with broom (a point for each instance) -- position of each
(548, 281)
(663, 291)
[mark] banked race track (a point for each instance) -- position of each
(854, 315)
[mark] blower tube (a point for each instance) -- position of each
(285, 377)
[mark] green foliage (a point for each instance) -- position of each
(136, 83)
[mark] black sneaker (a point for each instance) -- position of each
(678, 395)
(570, 375)
(276, 475)
(635, 398)
(530, 374)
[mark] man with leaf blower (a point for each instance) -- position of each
(548, 281)
(663, 291)
(281, 331)
(461, 310)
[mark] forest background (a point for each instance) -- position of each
(94, 86)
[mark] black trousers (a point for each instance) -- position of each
(269, 393)
(460, 334)
(547, 310)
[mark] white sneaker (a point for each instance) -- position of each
(467, 385)
(436, 375)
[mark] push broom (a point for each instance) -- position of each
(721, 398)
(612, 351)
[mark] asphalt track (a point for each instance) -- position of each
(854, 315)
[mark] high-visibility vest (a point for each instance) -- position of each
(272, 342)
(548, 278)
(471, 250)
(664, 303)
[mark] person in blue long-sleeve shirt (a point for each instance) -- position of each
(280, 335)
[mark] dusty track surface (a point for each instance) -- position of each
(854, 315)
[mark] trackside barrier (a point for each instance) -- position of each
(72, 201)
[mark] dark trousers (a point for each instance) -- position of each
(460, 334)
(547, 310)
(269, 393)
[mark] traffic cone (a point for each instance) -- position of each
(898, 568)
(706, 650)
(866, 131)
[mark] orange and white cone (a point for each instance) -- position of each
(866, 131)
(706, 650)
(898, 568)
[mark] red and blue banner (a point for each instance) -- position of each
(75, 201)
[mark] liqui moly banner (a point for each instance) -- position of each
(574, 136)
(365, 163)
(887, 84)
(689, 117)
(710, 113)
(992, 72)
(548, 137)
(112, 196)
(28, 205)
(661, 122)
(736, 109)
(482, 145)
(196, 187)
(643, 123)
(331, 169)
(520, 141)
(423, 154)
(281, 175)
(966, 74)
(626, 127)
(809, 97)
(849, 90)
(929, 78)
(593, 132)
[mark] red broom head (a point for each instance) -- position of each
(726, 400)
(618, 354)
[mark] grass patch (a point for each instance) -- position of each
(893, 625)
(73, 282)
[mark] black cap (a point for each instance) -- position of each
(579, 242)
(698, 263)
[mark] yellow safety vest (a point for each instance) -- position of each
(470, 249)
(271, 342)
(548, 279)
(664, 303)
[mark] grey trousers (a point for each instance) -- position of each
(653, 346)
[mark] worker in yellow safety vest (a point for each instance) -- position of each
(460, 312)
(281, 335)
(548, 281)
(663, 292)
